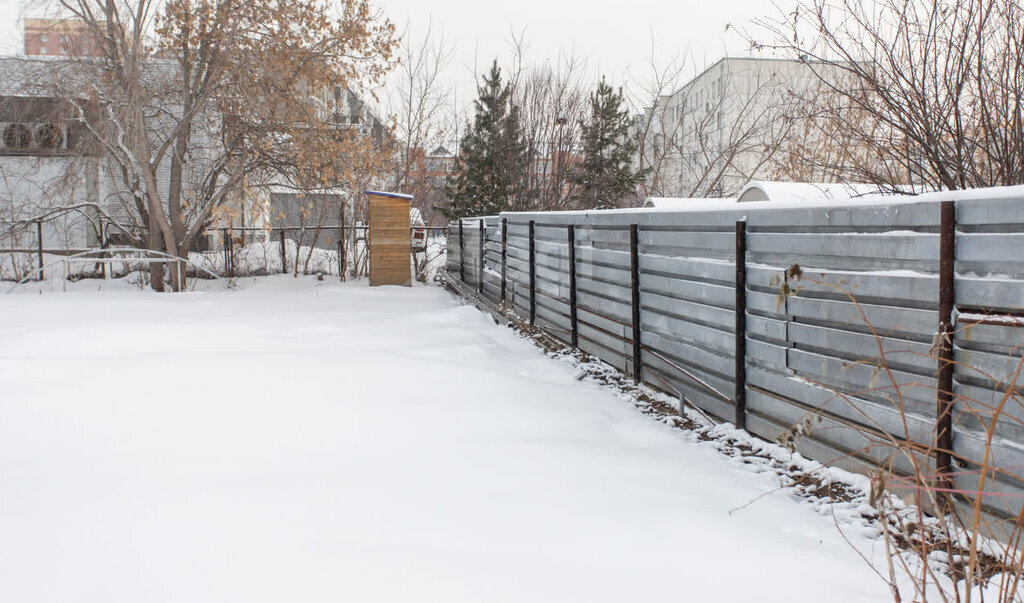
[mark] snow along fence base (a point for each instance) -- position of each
(840, 310)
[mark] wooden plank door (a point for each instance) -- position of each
(389, 240)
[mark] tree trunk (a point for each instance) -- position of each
(174, 206)
(156, 243)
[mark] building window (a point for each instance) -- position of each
(42, 50)
(49, 136)
(17, 136)
(43, 38)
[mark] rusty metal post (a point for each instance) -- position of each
(230, 255)
(741, 325)
(224, 251)
(504, 256)
(284, 256)
(462, 254)
(573, 319)
(533, 277)
(480, 269)
(947, 299)
(343, 259)
(39, 237)
(634, 270)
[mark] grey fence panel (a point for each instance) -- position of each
(908, 356)
(909, 323)
(899, 246)
(767, 354)
(1009, 428)
(608, 324)
(866, 381)
(992, 293)
(811, 448)
(1000, 494)
(837, 435)
(849, 218)
(1003, 337)
(693, 268)
(688, 332)
(771, 304)
(587, 255)
(908, 290)
(995, 209)
(996, 371)
(605, 274)
(694, 291)
(667, 377)
(874, 415)
(596, 294)
(687, 243)
(767, 329)
(700, 313)
(693, 358)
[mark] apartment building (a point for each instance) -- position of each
(58, 37)
(722, 128)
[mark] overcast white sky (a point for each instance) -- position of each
(615, 36)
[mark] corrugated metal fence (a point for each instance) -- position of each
(654, 294)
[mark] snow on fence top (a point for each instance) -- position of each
(803, 193)
(679, 203)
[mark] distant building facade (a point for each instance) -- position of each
(58, 37)
(428, 176)
(721, 129)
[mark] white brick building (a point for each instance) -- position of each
(721, 129)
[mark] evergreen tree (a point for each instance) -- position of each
(492, 155)
(607, 177)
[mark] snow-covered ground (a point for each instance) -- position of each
(296, 440)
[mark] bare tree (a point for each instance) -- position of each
(553, 106)
(198, 96)
(421, 105)
(649, 94)
(420, 101)
(933, 91)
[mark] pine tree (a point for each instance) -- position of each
(492, 155)
(607, 176)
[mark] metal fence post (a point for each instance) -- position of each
(504, 256)
(342, 260)
(480, 271)
(574, 335)
(39, 236)
(224, 251)
(741, 325)
(462, 254)
(231, 255)
(284, 256)
(947, 298)
(634, 270)
(533, 276)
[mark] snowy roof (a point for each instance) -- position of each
(677, 203)
(388, 194)
(767, 190)
(279, 188)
